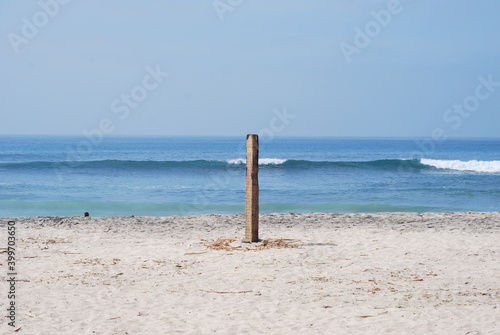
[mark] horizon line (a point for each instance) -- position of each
(245, 134)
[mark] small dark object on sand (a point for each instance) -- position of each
(86, 214)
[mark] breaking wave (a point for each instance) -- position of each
(476, 166)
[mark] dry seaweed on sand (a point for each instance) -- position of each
(231, 244)
(221, 244)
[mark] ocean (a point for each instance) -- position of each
(161, 176)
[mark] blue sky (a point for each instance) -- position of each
(67, 67)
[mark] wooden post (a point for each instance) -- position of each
(252, 190)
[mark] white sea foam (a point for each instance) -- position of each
(477, 166)
(262, 161)
(237, 161)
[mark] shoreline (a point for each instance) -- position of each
(235, 222)
(353, 273)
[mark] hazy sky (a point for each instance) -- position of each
(293, 67)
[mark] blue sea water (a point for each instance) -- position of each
(160, 176)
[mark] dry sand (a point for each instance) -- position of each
(386, 273)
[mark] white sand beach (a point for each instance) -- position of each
(384, 273)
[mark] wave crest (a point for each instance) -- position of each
(262, 161)
(473, 165)
(239, 163)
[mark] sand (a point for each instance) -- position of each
(385, 273)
